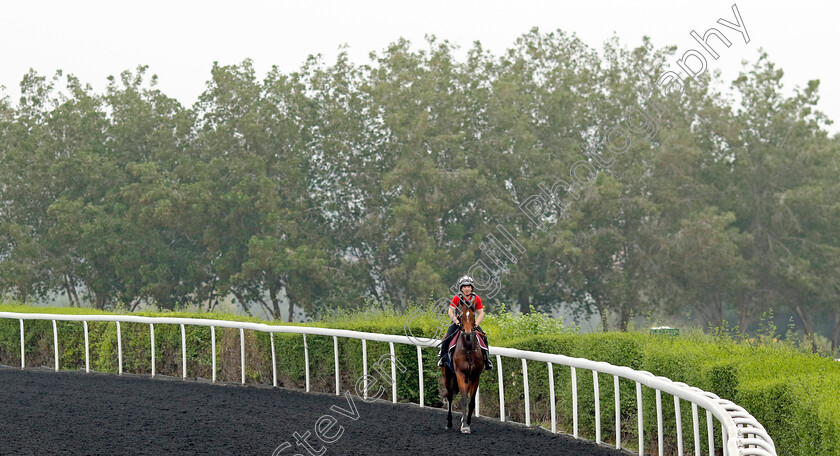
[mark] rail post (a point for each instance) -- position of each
(213, 349)
(87, 349)
(306, 361)
(273, 361)
(22, 352)
(55, 344)
(597, 392)
(501, 389)
(574, 402)
(364, 368)
(183, 351)
(617, 412)
(551, 397)
(152, 336)
(420, 374)
(119, 348)
(335, 351)
(242, 354)
(640, 415)
(527, 395)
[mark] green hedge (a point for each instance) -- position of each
(793, 394)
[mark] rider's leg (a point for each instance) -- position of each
(483, 334)
(487, 363)
(452, 329)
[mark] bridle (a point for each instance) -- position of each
(463, 333)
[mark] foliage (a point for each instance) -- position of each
(508, 324)
(791, 391)
(341, 184)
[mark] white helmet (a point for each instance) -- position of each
(466, 280)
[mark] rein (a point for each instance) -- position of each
(468, 352)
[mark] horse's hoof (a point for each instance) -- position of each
(465, 429)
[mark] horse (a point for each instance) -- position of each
(468, 362)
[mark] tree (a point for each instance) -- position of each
(253, 147)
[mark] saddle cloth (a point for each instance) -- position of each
(454, 341)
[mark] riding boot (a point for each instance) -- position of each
(488, 365)
(444, 344)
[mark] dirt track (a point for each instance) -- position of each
(75, 413)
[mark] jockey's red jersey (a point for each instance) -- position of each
(455, 299)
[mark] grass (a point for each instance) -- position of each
(791, 391)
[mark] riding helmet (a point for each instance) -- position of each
(466, 280)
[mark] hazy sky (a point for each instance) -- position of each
(179, 40)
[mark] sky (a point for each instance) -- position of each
(180, 40)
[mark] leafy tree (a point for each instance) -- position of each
(341, 183)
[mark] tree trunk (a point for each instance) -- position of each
(67, 289)
(71, 292)
(275, 304)
(627, 305)
(705, 312)
(623, 317)
(524, 302)
(748, 308)
(239, 299)
(100, 300)
(291, 310)
(75, 294)
(744, 320)
(372, 288)
(266, 307)
(210, 301)
(602, 312)
(808, 326)
(717, 312)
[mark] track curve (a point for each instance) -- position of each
(70, 412)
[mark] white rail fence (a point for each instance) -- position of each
(741, 433)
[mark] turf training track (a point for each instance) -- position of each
(54, 409)
(73, 413)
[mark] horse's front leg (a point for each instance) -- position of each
(450, 393)
(473, 388)
(449, 417)
(464, 388)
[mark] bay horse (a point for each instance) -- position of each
(468, 362)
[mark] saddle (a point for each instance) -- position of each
(454, 341)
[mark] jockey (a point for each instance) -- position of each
(465, 285)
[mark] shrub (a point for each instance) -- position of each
(792, 393)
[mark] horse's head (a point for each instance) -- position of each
(466, 315)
